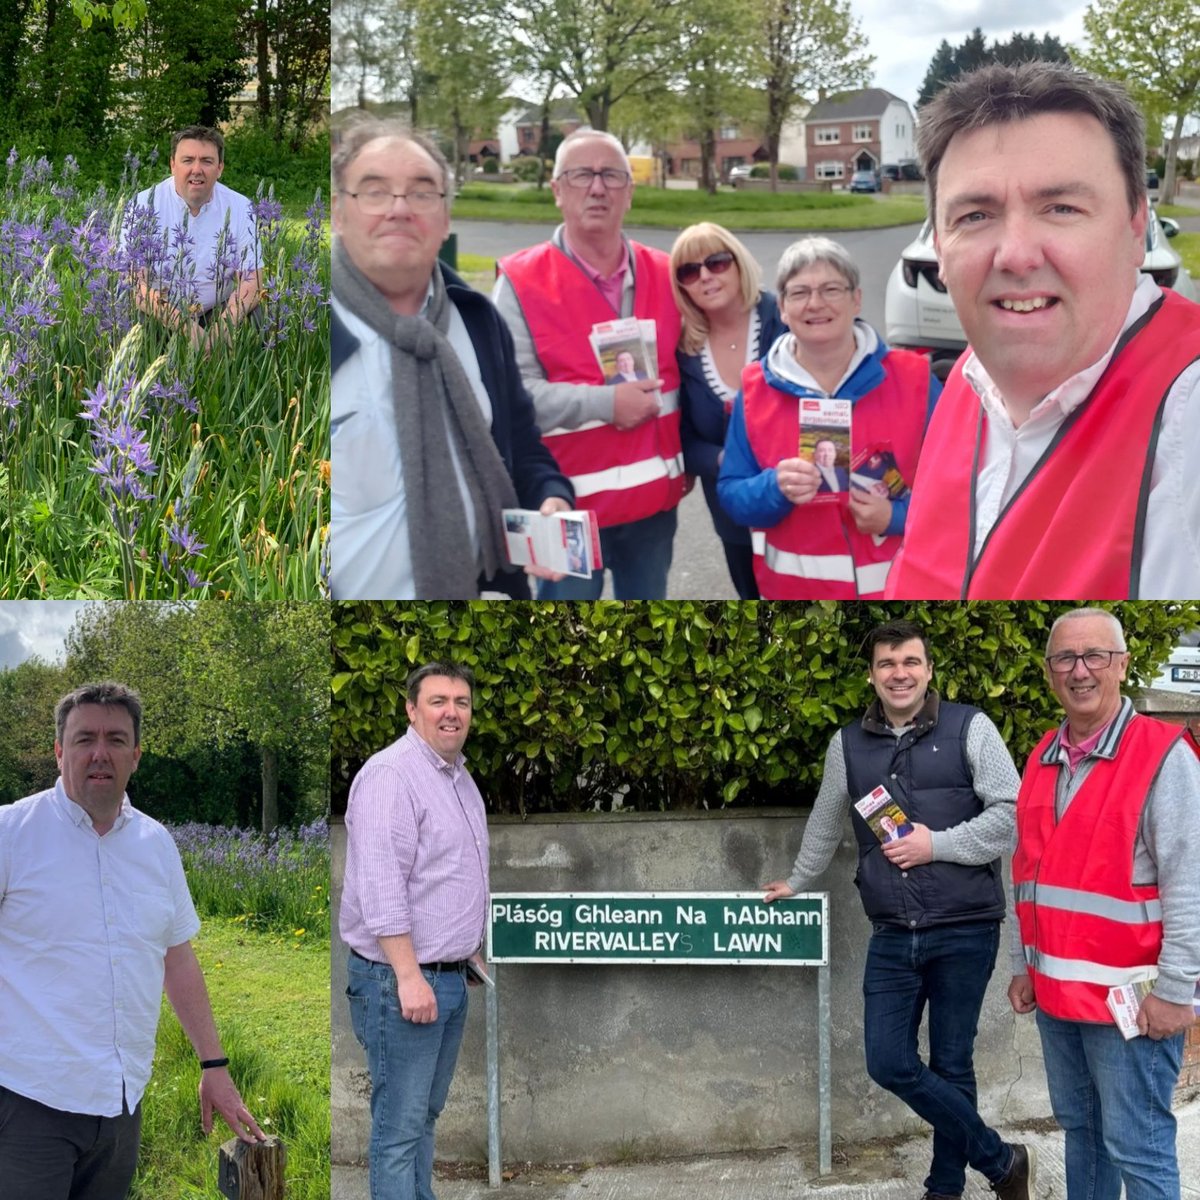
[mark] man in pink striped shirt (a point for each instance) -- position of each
(413, 910)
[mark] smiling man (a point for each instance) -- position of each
(433, 431)
(413, 911)
(1108, 893)
(1060, 462)
(95, 924)
(202, 273)
(933, 897)
(617, 440)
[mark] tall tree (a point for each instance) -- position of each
(370, 39)
(291, 43)
(599, 51)
(949, 63)
(807, 46)
(1150, 46)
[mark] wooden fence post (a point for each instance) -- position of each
(252, 1171)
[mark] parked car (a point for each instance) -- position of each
(910, 169)
(1181, 672)
(1151, 179)
(740, 172)
(919, 314)
(890, 171)
(864, 181)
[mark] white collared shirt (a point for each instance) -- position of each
(1171, 545)
(85, 924)
(370, 555)
(199, 265)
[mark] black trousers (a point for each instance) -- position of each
(46, 1154)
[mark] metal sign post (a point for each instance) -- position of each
(697, 928)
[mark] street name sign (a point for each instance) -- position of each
(701, 928)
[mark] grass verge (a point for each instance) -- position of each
(1187, 246)
(270, 993)
(738, 210)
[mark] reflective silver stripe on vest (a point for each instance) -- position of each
(829, 568)
(630, 475)
(1080, 970)
(1127, 912)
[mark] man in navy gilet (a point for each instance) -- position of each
(934, 896)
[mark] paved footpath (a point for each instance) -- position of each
(877, 1171)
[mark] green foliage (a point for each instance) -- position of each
(525, 169)
(685, 703)
(490, 166)
(951, 62)
(786, 173)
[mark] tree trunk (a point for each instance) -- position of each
(270, 788)
(262, 45)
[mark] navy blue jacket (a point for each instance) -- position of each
(530, 465)
(927, 773)
(703, 420)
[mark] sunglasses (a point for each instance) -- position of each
(717, 264)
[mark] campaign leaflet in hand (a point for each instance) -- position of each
(874, 470)
(626, 350)
(1125, 1000)
(825, 442)
(887, 819)
(566, 542)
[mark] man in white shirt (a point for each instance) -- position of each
(95, 923)
(201, 244)
(1061, 459)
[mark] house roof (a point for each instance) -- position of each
(847, 106)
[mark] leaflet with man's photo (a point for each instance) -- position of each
(888, 821)
(566, 542)
(1125, 1000)
(825, 442)
(874, 470)
(627, 349)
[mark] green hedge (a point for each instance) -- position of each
(682, 704)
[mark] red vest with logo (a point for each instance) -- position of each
(817, 552)
(1075, 526)
(624, 475)
(1084, 925)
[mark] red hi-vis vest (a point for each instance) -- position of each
(1085, 927)
(624, 475)
(817, 552)
(1075, 526)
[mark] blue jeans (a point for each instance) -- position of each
(946, 967)
(637, 554)
(1113, 1099)
(411, 1067)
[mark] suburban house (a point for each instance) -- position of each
(737, 146)
(858, 131)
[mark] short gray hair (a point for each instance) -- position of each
(360, 133)
(1079, 613)
(573, 138)
(810, 251)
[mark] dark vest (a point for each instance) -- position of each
(927, 773)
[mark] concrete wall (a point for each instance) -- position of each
(600, 1061)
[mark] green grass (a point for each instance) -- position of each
(1187, 246)
(738, 210)
(270, 994)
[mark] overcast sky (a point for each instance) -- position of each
(903, 37)
(35, 627)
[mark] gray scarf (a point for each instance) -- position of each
(434, 402)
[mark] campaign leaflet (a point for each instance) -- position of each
(566, 542)
(1125, 1000)
(627, 350)
(825, 442)
(874, 470)
(886, 818)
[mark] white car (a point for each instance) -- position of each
(919, 314)
(1181, 672)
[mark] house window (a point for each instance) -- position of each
(863, 133)
(830, 170)
(729, 133)
(828, 135)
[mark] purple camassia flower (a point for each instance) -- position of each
(183, 537)
(121, 451)
(11, 160)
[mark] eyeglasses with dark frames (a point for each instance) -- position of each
(374, 202)
(831, 293)
(717, 264)
(581, 177)
(1094, 660)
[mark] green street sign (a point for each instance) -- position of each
(710, 928)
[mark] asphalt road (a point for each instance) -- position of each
(698, 566)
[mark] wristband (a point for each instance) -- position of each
(213, 1062)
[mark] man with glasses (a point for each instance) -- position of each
(433, 432)
(1108, 893)
(618, 442)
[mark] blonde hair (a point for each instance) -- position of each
(694, 244)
